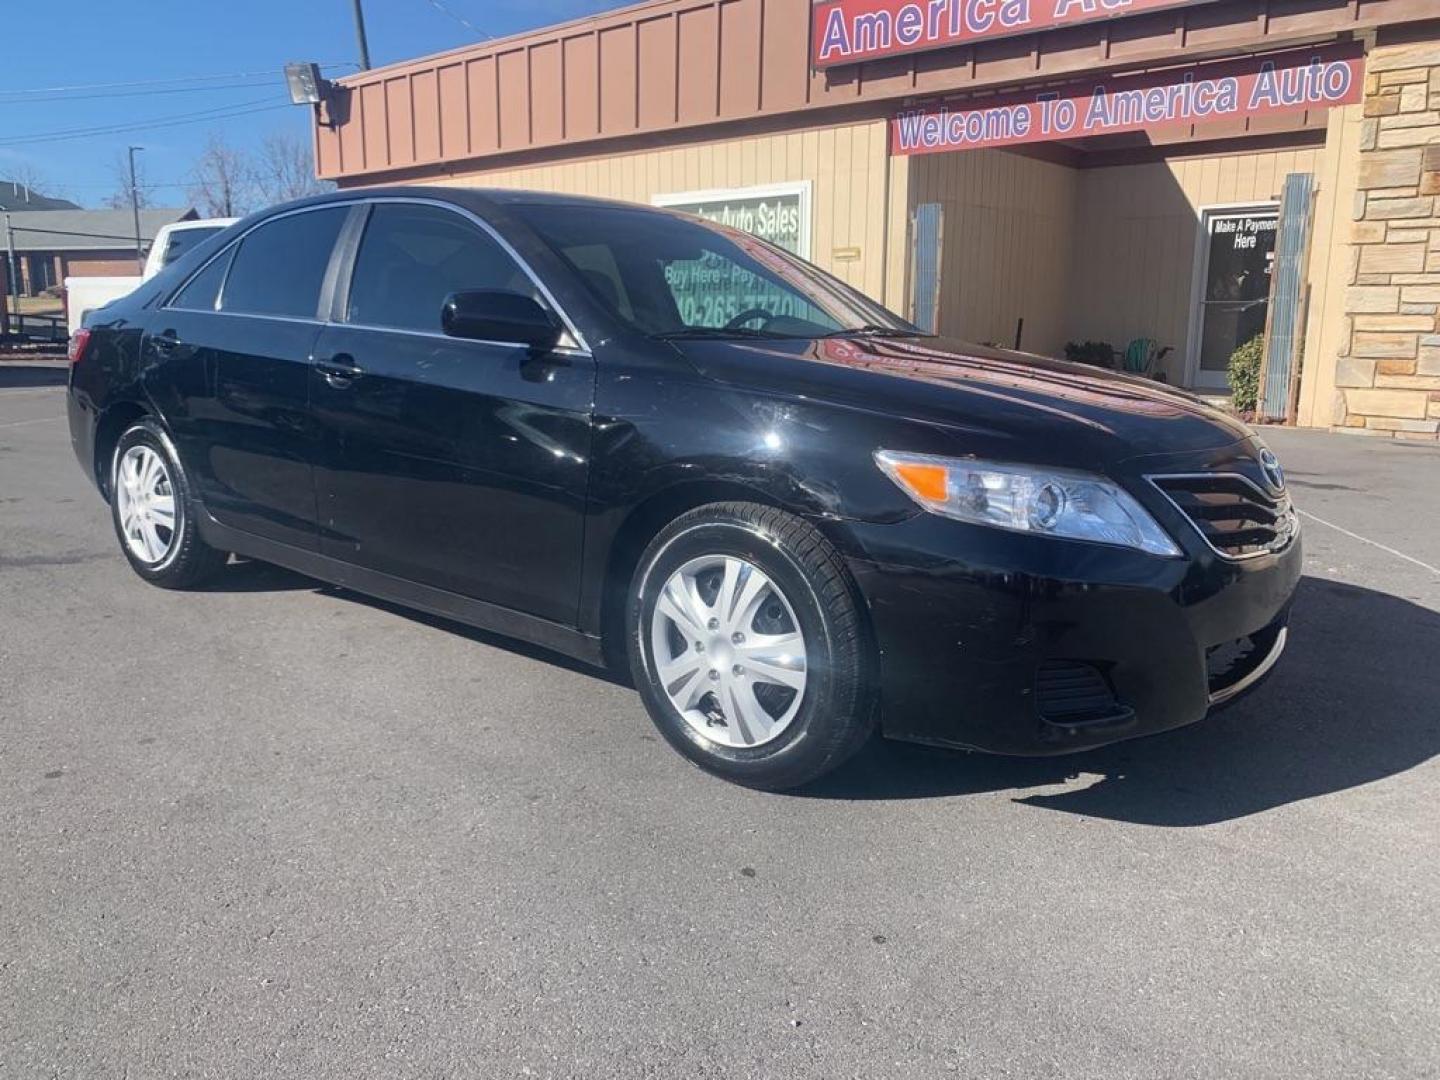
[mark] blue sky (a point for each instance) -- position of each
(237, 47)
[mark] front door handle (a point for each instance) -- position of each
(340, 370)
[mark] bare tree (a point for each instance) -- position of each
(286, 169)
(23, 177)
(119, 199)
(222, 183)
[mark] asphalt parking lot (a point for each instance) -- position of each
(274, 829)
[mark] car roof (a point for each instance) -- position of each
(476, 198)
(202, 223)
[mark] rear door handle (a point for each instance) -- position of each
(164, 341)
(340, 370)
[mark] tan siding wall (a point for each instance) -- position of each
(1006, 239)
(846, 165)
(1105, 254)
(1133, 263)
(673, 65)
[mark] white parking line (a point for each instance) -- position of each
(28, 390)
(1372, 543)
(39, 420)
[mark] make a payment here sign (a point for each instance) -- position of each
(1229, 90)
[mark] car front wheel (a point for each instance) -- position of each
(747, 646)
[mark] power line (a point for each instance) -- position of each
(164, 82)
(68, 232)
(132, 93)
(111, 186)
(438, 6)
(223, 112)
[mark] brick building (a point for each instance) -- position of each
(51, 245)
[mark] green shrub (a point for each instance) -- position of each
(1094, 353)
(1244, 374)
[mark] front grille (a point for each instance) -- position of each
(1073, 692)
(1235, 516)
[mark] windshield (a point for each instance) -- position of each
(669, 275)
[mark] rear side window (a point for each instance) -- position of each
(280, 266)
(412, 257)
(203, 290)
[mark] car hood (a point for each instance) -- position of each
(1011, 403)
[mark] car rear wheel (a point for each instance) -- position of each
(154, 511)
(747, 646)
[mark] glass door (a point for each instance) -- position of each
(1238, 258)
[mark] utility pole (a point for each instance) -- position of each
(360, 37)
(135, 209)
(13, 278)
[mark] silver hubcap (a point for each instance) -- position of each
(146, 504)
(728, 650)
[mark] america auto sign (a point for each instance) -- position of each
(1291, 81)
(846, 31)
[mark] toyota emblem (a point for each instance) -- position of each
(1274, 474)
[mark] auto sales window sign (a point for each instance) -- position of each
(1229, 90)
(847, 31)
(779, 213)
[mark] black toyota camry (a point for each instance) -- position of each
(642, 439)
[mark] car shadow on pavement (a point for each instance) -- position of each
(249, 575)
(252, 576)
(15, 376)
(1355, 699)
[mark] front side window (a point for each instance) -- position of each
(412, 257)
(668, 275)
(280, 266)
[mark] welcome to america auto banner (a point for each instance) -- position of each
(1226, 90)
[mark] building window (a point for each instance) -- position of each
(40, 272)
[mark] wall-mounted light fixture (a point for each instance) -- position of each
(307, 86)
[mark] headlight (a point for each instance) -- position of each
(1025, 498)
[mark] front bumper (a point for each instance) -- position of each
(1017, 644)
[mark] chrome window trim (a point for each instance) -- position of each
(253, 315)
(558, 350)
(1281, 498)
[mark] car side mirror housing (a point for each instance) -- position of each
(499, 315)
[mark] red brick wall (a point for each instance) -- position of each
(101, 264)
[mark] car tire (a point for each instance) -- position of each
(747, 645)
(153, 508)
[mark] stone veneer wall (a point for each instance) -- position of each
(1388, 375)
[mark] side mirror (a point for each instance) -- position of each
(497, 315)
